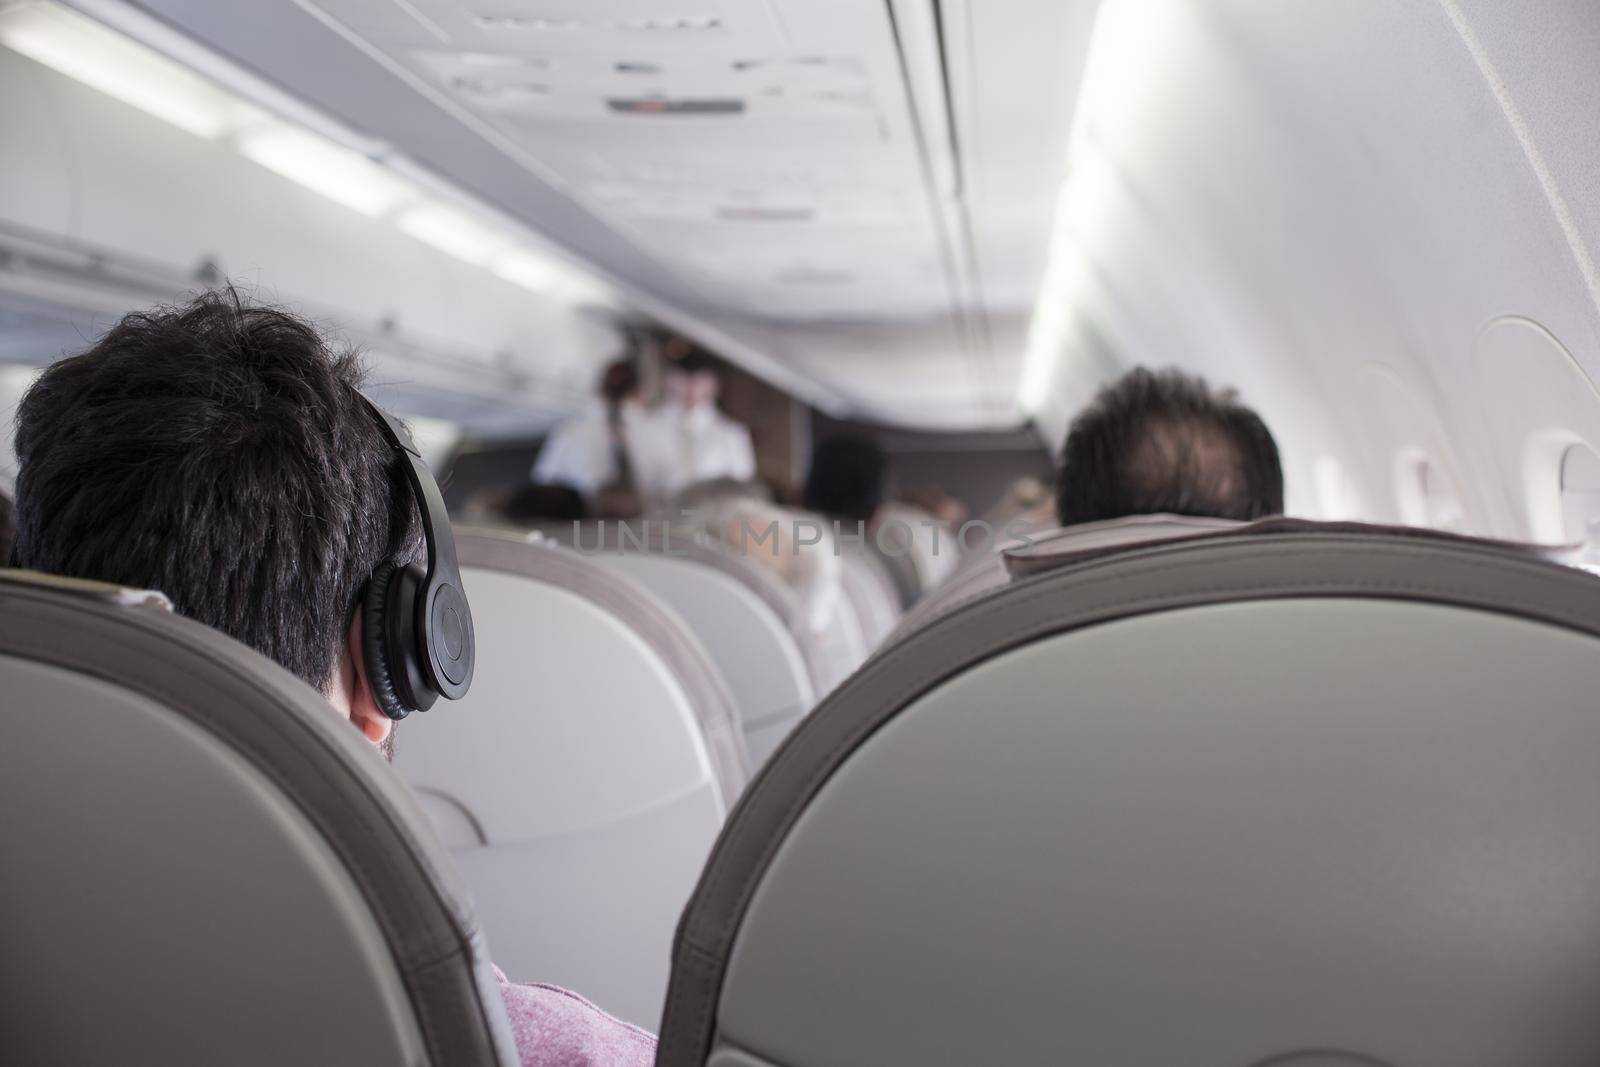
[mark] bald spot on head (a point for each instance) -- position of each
(1193, 464)
(1164, 441)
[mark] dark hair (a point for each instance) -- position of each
(220, 453)
(695, 361)
(619, 381)
(848, 478)
(541, 501)
(1166, 442)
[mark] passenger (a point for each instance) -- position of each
(544, 503)
(848, 483)
(847, 479)
(797, 547)
(221, 454)
(1028, 504)
(707, 493)
(937, 503)
(1165, 442)
(596, 453)
(686, 439)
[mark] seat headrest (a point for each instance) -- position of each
(120, 595)
(172, 775)
(1079, 544)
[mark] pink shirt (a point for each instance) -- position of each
(555, 1028)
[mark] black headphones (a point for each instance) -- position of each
(416, 628)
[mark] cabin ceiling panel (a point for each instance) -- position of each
(756, 167)
(693, 127)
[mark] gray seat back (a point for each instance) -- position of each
(768, 678)
(204, 864)
(871, 593)
(1297, 798)
(910, 537)
(581, 782)
(982, 572)
(750, 622)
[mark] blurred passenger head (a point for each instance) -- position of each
(847, 479)
(936, 502)
(1163, 441)
(619, 382)
(798, 548)
(714, 491)
(222, 454)
(543, 502)
(692, 382)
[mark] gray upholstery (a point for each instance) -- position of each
(984, 571)
(1068, 546)
(773, 661)
(909, 536)
(582, 781)
(871, 593)
(754, 650)
(203, 863)
(1284, 791)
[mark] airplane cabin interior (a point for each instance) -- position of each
(850, 532)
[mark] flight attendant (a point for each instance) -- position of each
(687, 440)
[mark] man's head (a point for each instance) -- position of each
(1163, 441)
(848, 478)
(619, 382)
(692, 382)
(220, 453)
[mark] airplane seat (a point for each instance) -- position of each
(895, 560)
(803, 555)
(986, 570)
(920, 550)
(1287, 794)
(749, 620)
(204, 864)
(584, 778)
(871, 593)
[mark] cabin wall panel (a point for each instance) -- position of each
(1303, 191)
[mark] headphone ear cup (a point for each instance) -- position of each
(378, 614)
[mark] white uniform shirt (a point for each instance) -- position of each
(579, 452)
(674, 449)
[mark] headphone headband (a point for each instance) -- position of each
(435, 516)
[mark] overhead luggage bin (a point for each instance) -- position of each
(1286, 794)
